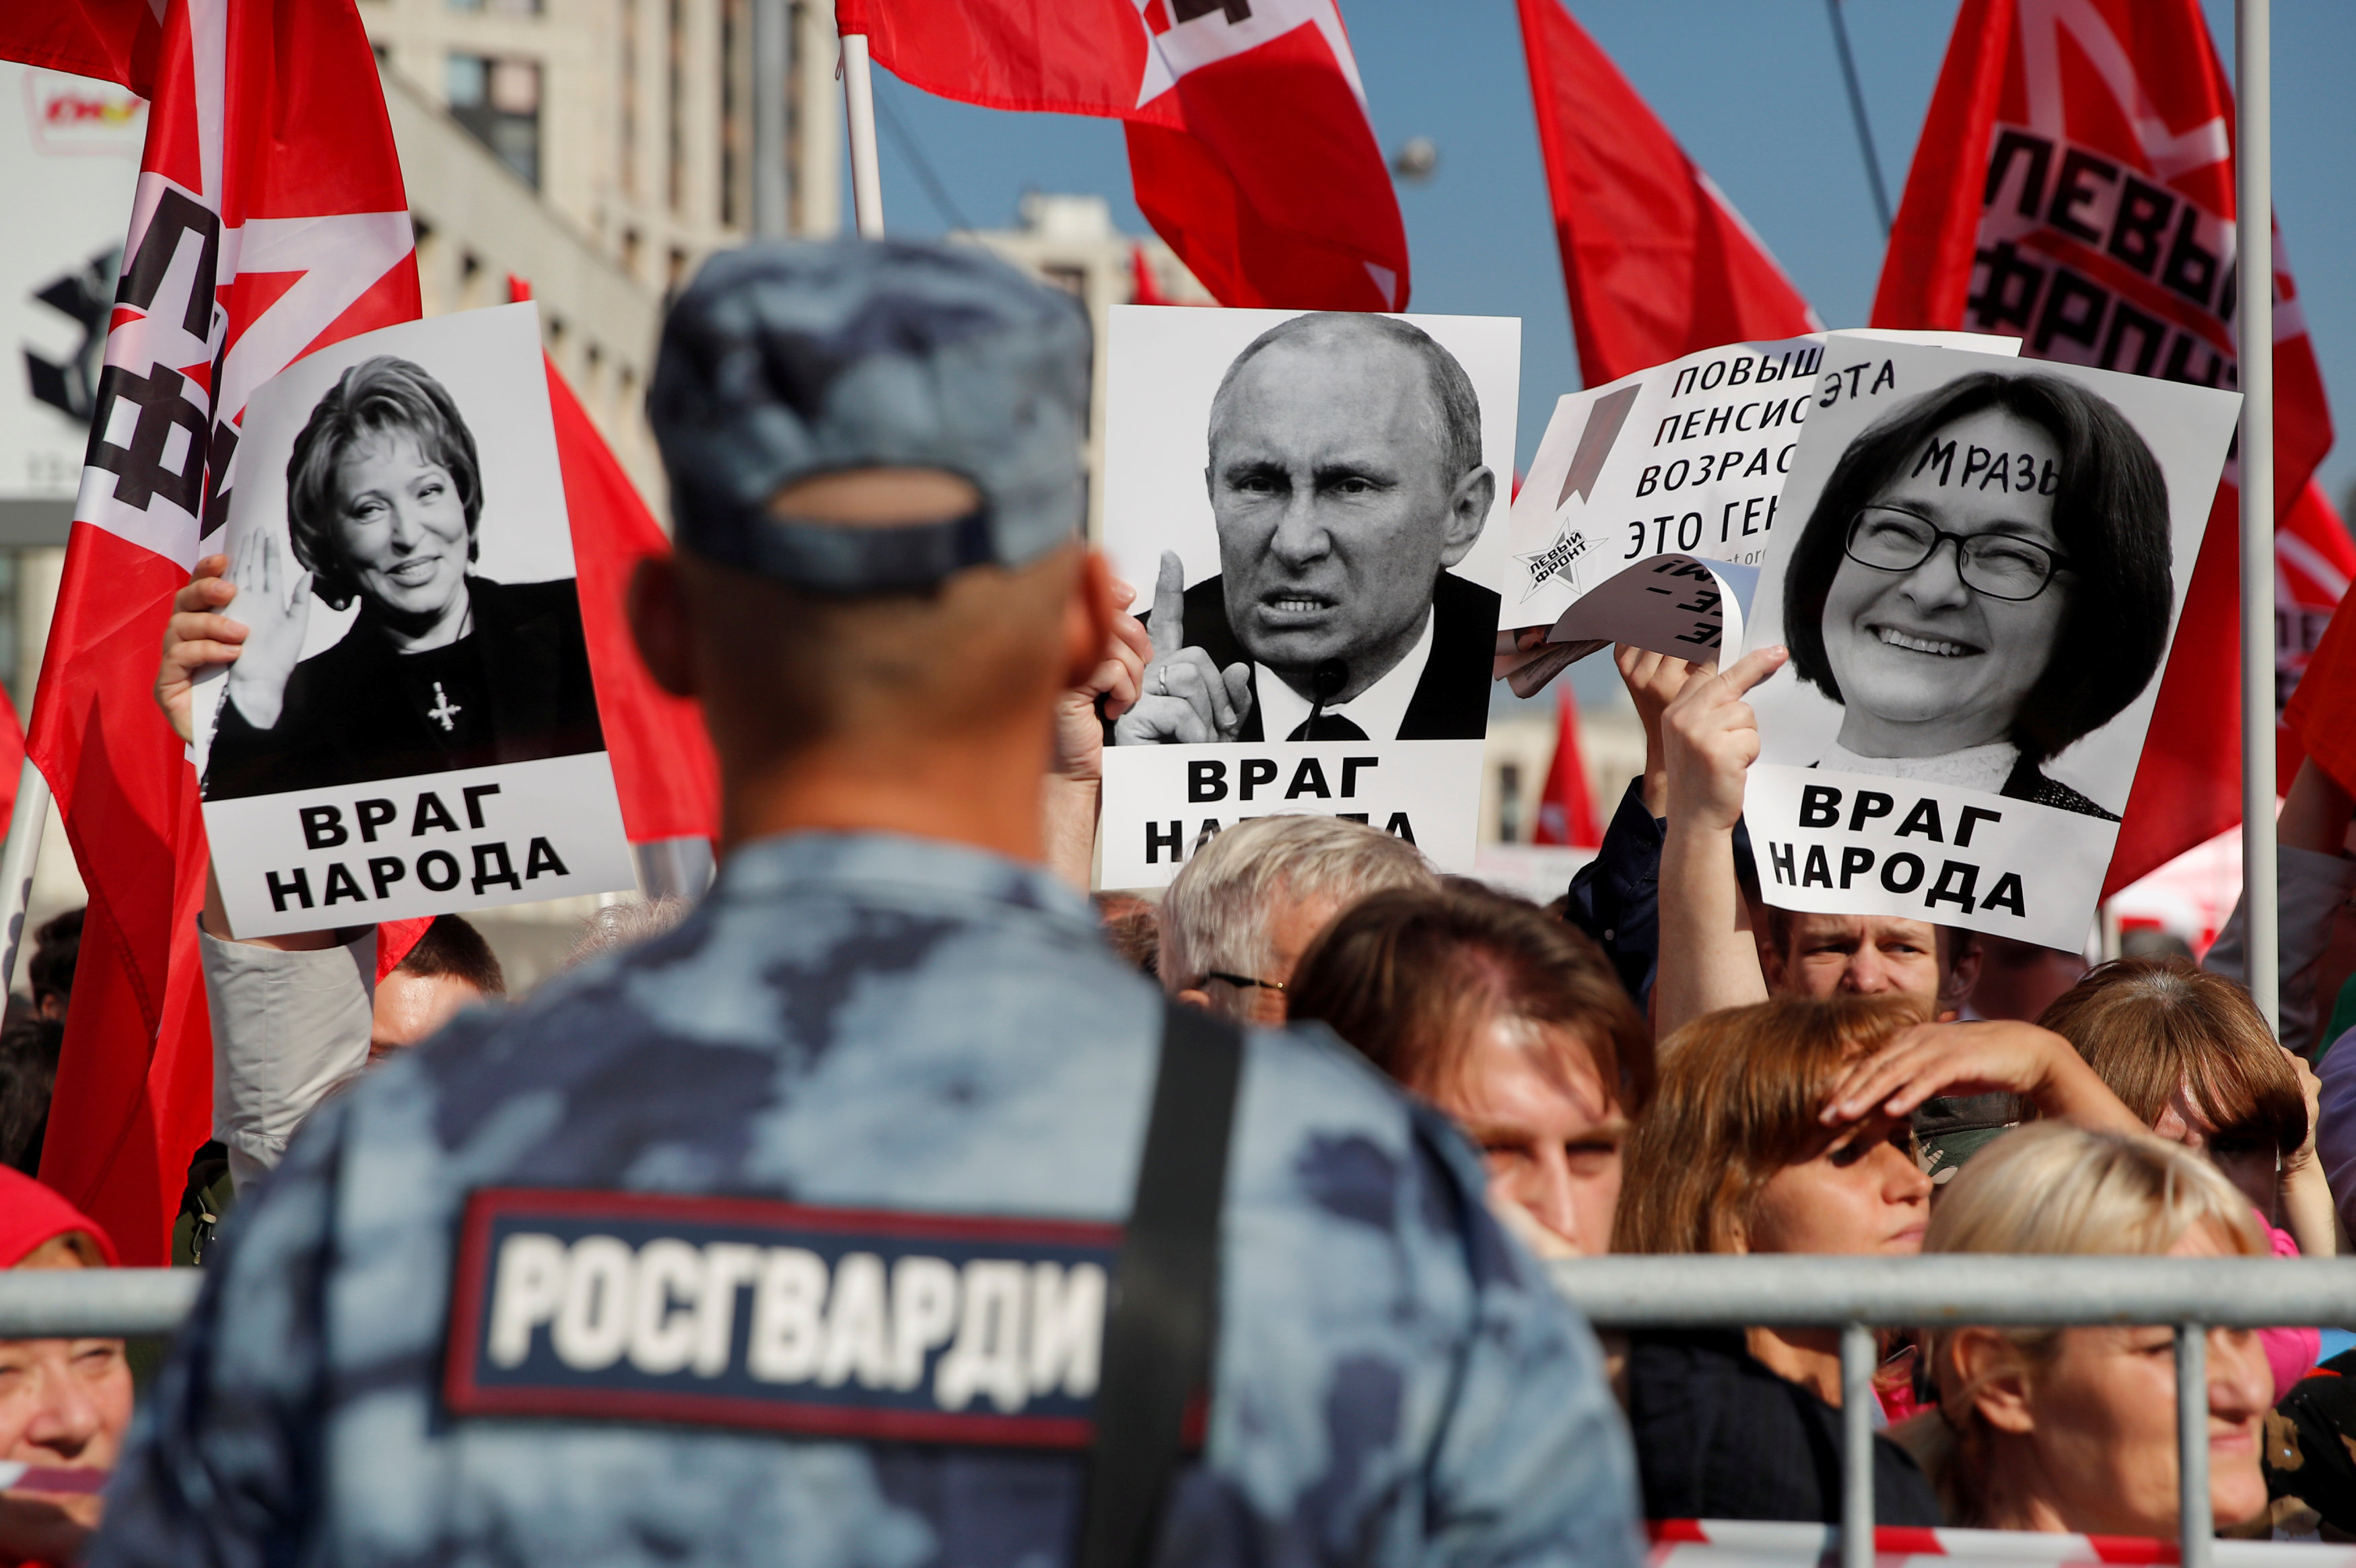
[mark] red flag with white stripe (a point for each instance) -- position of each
(2073, 186)
(269, 219)
(1250, 144)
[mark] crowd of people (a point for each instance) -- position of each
(1659, 1062)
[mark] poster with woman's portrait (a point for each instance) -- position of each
(1311, 506)
(410, 725)
(1978, 576)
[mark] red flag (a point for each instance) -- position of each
(1567, 809)
(2073, 185)
(664, 769)
(2314, 563)
(1657, 262)
(269, 219)
(2322, 711)
(1249, 146)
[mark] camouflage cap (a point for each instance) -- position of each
(784, 361)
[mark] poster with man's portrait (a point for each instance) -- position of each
(1978, 572)
(1312, 507)
(410, 725)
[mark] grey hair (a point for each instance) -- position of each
(1452, 397)
(1215, 914)
(625, 925)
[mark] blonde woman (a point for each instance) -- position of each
(2074, 1429)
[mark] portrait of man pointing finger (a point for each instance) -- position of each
(1345, 479)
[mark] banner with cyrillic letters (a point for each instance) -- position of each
(410, 725)
(1977, 576)
(1684, 462)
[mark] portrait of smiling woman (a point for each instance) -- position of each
(1983, 581)
(442, 668)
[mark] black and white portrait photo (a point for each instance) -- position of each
(1347, 480)
(444, 667)
(410, 724)
(1984, 582)
(1978, 575)
(1310, 508)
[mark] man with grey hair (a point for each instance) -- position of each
(1345, 477)
(1243, 909)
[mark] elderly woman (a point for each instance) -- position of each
(1983, 581)
(442, 668)
(1512, 1023)
(2074, 1429)
(65, 1404)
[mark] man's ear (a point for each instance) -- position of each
(1468, 510)
(1992, 1370)
(659, 624)
(1087, 619)
(1958, 978)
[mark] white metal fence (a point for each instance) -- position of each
(1854, 1294)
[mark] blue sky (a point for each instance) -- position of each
(1753, 89)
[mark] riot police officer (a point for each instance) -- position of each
(877, 1216)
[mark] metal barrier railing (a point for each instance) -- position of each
(1861, 1294)
(1765, 1290)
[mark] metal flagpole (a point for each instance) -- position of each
(22, 851)
(859, 101)
(1856, 113)
(2254, 207)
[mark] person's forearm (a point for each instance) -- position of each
(2073, 1092)
(1067, 825)
(2308, 1212)
(1708, 958)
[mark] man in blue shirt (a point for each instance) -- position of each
(792, 1235)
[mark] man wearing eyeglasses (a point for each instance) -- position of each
(1984, 582)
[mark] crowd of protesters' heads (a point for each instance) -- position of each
(1659, 1063)
(1852, 1085)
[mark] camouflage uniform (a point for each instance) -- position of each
(855, 1024)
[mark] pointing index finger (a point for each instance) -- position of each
(1754, 666)
(1170, 606)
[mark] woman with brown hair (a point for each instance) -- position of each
(1782, 1127)
(2193, 1057)
(1512, 1023)
(2075, 1429)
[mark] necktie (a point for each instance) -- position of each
(1327, 726)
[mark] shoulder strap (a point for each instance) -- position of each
(1164, 1315)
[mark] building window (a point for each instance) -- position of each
(675, 109)
(498, 7)
(1509, 804)
(630, 103)
(735, 72)
(498, 100)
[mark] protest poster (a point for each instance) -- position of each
(1666, 473)
(1310, 505)
(1978, 576)
(69, 162)
(411, 727)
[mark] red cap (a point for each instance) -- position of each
(32, 1214)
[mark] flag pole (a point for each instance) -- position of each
(2254, 217)
(17, 858)
(1856, 113)
(859, 102)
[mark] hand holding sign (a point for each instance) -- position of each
(1185, 698)
(196, 638)
(276, 610)
(1710, 738)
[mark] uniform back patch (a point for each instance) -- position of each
(742, 1312)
